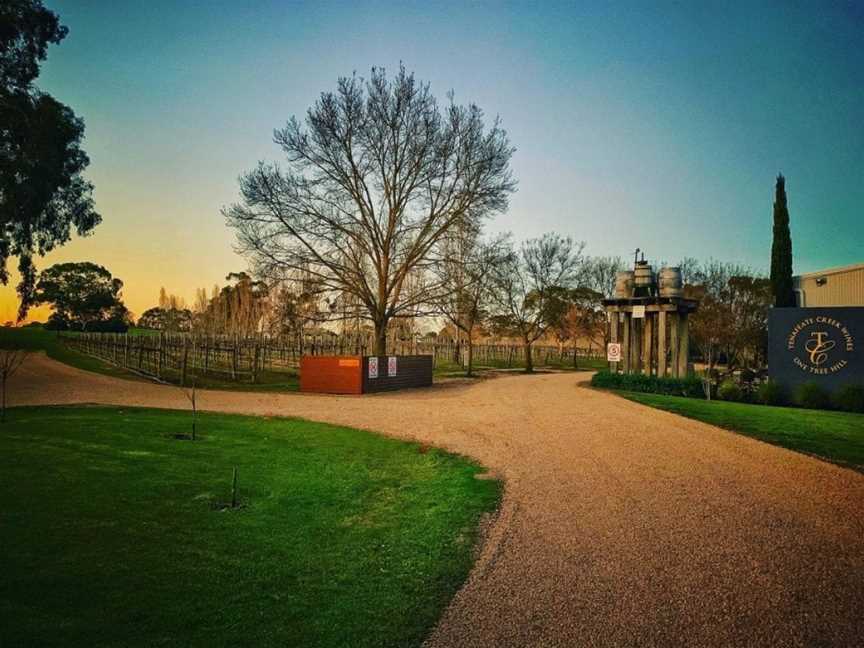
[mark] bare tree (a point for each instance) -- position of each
(466, 273)
(531, 287)
(601, 275)
(581, 317)
(376, 175)
(601, 272)
(10, 361)
(192, 396)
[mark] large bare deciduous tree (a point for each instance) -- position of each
(375, 176)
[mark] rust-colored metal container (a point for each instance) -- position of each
(364, 374)
(331, 374)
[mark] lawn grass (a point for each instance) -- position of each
(35, 338)
(455, 370)
(836, 436)
(38, 339)
(111, 533)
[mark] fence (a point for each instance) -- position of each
(174, 357)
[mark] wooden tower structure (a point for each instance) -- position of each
(650, 320)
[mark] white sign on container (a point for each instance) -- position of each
(391, 366)
(373, 367)
(638, 312)
(613, 352)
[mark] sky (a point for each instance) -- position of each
(659, 127)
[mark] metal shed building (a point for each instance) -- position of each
(842, 286)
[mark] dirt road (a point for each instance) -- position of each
(621, 525)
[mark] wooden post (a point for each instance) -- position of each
(674, 344)
(625, 342)
(255, 359)
(661, 344)
(159, 357)
(185, 361)
(684, 341)
(613, 337)
(647, 345)
(234, 359)
(636, 327)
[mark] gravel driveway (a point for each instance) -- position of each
(621, 525)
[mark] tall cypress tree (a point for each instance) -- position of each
(781, 250)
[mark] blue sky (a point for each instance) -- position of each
(660, 127)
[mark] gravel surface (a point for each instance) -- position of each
(620, 526)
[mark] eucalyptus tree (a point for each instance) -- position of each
(374, 177)
(43, 193)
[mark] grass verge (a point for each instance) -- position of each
(38, 339)
(836, 436)
(112, 533)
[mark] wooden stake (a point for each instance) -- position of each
(234, 488)
(661, 344)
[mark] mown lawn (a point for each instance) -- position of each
(455, 370)
(38, 339)
(837, 436)
(112, 531)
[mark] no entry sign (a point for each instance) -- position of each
(613, 352)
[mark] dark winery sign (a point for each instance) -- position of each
(819, 345)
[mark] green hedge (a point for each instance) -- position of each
(690, 386)
(811, 396)
(849, 398)
(729, 390)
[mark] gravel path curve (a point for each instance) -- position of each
(621, 525)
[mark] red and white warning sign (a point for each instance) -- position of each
(391, 365)
(373, 367)
(613, 352)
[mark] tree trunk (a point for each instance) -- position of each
(469, 371)
(381, 338)
(529, 361)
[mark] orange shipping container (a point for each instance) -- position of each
(331, 374)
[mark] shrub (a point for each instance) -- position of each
(811, 396)
(729, 391)
(849, 398)
(690, 386)
(770, 393)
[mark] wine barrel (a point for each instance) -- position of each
(670, 282)
(644, 277)
(624, 284)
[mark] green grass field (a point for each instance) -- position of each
(454, 370)
(112, 532)
(38, 339)
(837, 436)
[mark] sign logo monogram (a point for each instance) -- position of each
(819, 346)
